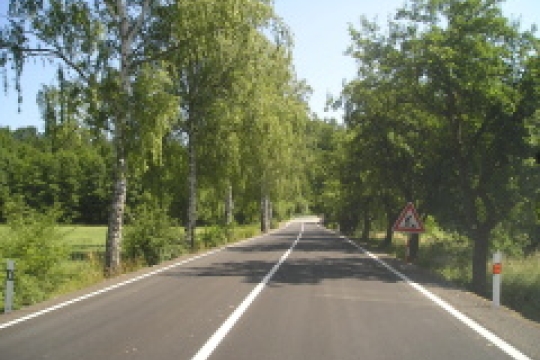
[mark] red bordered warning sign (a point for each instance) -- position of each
(409, 221)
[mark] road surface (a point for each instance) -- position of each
(298, 293)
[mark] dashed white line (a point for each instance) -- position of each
(220, 334)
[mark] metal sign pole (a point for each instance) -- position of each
(10, 277)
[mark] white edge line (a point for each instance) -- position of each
(123, 283)
(224, 329)
(494, 339)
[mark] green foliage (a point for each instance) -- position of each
(521, 285)
(214, 236)
(245, 231)
(152, 235)
(36, 244)
(73, 177)
(446, 253)
(442, 114)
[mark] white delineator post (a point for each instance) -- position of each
(10, 277)
(497, 273)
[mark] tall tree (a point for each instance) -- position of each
(102, 45)
(463, 74)
(210, 48)
(477, 68)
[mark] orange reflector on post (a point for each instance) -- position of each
(497, 269)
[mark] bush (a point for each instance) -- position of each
(152, 235)
(246, 231)
(36, 244)
(213, 236)
(521, 285)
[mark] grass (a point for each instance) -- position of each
(79, 235)
(521, 285)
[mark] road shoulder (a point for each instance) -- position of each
(509, 325)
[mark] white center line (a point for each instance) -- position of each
(220, 334)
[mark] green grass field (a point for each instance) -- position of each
(80, 235)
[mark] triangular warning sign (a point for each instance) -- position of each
(409, 221)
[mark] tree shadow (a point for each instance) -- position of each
(316, 258)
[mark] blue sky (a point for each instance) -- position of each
(321, 38)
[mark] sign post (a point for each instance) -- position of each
(10, 278)
(497, 274)
(409, 222)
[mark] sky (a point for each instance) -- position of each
(320, 29)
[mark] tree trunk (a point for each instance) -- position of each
(113, 244)
(270, 214)
(264, 214)
(229, 206)
(367, 227)
(116, 220)
(389, 228)
(389, 235)
(192, 180)
(390, 219)
(480, 257)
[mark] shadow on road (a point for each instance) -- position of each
(318, 257)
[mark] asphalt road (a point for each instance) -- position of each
(321, 299)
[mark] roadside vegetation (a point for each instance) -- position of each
(53, 259)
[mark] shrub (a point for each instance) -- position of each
(213, 236)
(36, 244)
(246, 231)
(152, 235)
(521, 285)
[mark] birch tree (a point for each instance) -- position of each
(209, 41)
(101, 43)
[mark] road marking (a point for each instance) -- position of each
(220, 334)
(488, 335)
(123, 283)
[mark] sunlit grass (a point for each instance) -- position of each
(520, 288)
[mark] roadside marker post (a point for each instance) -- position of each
(497, 274)
(10, 278)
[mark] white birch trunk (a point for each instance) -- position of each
(116, 216)
(192, 181)
(116, 219)
(264, 214)
(229, 206)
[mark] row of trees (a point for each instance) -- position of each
(192, 102)
(75, 175)
(444, 113)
